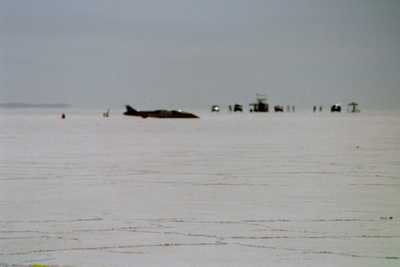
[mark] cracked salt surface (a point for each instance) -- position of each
(294, 189)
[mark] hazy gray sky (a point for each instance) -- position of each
(193, 54)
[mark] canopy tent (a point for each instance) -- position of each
(354, 104)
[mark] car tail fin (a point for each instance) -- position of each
(130, 109)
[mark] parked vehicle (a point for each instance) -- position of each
(336, 108)
(261, 105)
(215, 108)
(279, 108)
(238, 107)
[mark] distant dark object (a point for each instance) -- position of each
(354, 105)
(336, 108)
(106, 114)
(320, 108)
(238, 107)
(215, 108)
(278, 108)
(27, 105)
(63, 116)
(315, 108)
(161, 113)
(261, 105)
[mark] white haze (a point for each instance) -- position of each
(193, 54)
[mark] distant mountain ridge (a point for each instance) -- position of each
(27, 105)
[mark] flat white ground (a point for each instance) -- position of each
(229, 189)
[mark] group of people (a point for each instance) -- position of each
(105, 115)
(315, 108)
